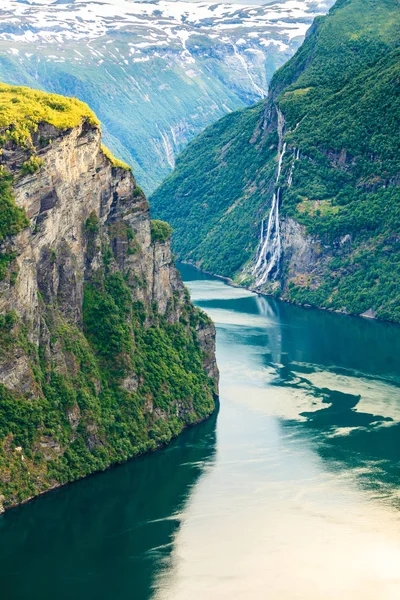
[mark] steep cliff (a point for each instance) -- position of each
(102, 355)
(299, 195)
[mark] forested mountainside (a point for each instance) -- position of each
(156, 73)
(102, 355)
(299, 196)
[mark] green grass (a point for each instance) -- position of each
(22, 108)
(115, 161)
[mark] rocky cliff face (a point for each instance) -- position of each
(102, 354)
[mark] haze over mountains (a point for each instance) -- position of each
(156, 73)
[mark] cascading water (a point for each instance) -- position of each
(296, 156)
(269, 251)
(270, 248)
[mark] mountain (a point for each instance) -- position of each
(156, 73)
(299, 195)
(102, 355)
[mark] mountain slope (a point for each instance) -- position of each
(321, 227)
(102, 355)
(155, 73)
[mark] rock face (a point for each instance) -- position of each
(302, 253)
(98, 329)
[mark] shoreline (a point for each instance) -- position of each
(231, 283)
(148, 452)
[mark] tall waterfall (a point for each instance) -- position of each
(269, 251)
(296, 156)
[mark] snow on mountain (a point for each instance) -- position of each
(156, 72)
(52, 20)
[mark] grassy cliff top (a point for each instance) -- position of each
(116, 162)
(22, 108)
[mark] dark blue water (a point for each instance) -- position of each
(291, 492)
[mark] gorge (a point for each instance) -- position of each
(292, 488)
(156, 73)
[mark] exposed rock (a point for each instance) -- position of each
(206, 338)
(74, 416)
(369, 314)
(55, 258)
(130, 383)
(50, 447)
(301, 252)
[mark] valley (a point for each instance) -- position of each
(156, 74)
(298, 196)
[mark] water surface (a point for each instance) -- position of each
(291, 492)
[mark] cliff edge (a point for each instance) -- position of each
(102, 354)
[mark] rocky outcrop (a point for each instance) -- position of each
(90, 228)
(302, 254)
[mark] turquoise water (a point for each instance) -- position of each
(291, 491)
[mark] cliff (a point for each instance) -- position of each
(102, 355)
(299, 195)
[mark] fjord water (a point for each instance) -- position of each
(291, 492)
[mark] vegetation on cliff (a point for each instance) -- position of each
(87, 382)
(12, 218)
(22, 108)
(340, 99)
(83, 420)
(160, 231)
(12, 221)
(115, 161)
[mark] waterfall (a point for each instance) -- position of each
(296, 156)
(270, 249)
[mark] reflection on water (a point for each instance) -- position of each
(292, 493)
(303, 498)
(105, 537)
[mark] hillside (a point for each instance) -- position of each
(320, 228)
(157, 73)
(102, 355)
